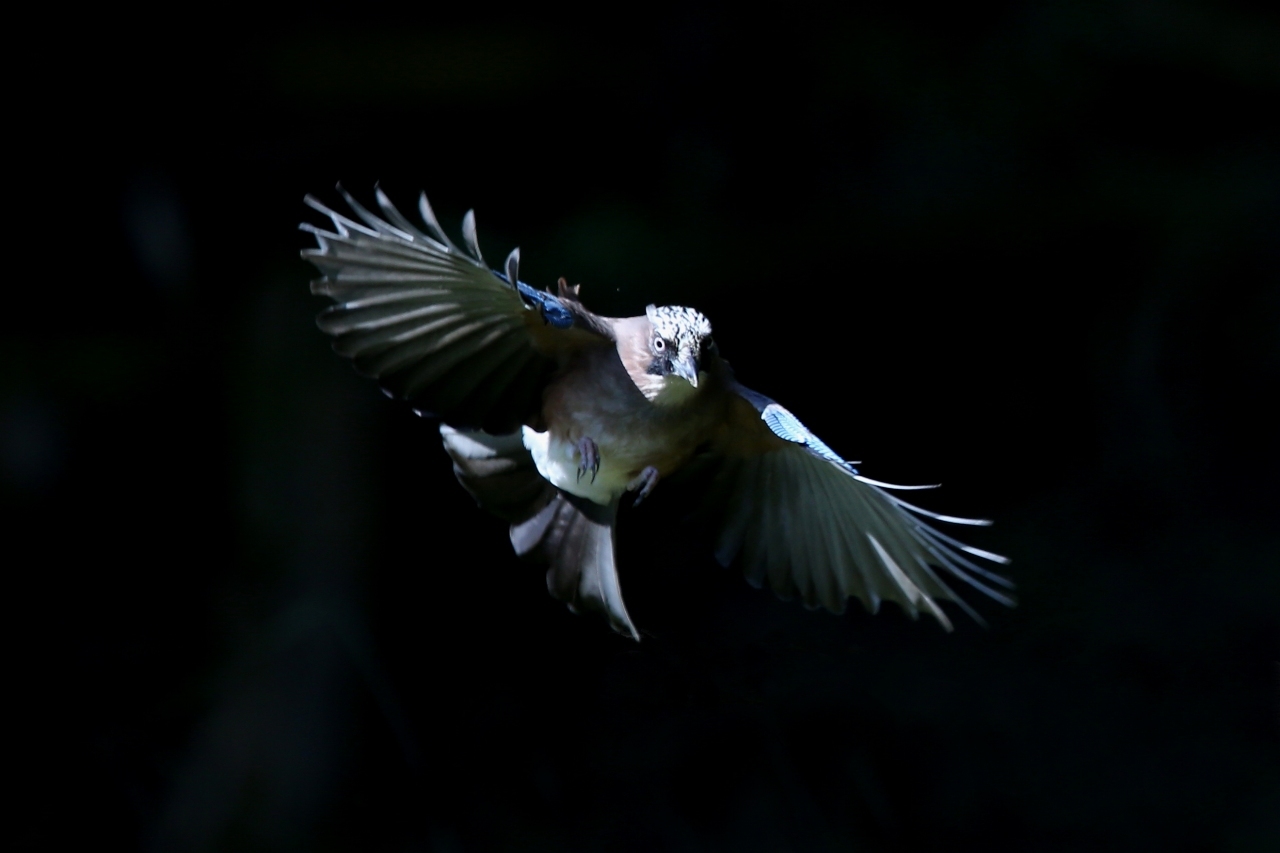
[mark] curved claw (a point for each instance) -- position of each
(589, 458)
(644, 483)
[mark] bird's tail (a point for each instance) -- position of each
(573, 536)
(498, 471)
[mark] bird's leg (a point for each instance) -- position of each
(643, 483)
(589, 458)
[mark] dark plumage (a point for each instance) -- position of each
(551, 414)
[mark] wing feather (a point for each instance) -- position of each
(499, 380)
(815, 586)
(825, 586)
(737, 513)
(470, 379)
(797, 515)
(780, 525)
(452, 349)
(845, 568)
(423, 348)
(432, 323)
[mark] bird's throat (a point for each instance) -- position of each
(669, 390)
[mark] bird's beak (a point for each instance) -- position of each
(687, 369)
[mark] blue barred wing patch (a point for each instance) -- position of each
(552, 309)
(788, 427)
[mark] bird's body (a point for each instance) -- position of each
(552, 414)
(601, 396)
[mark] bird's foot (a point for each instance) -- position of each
(589, 458)
(643, 483)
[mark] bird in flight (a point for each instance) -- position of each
(553, 414)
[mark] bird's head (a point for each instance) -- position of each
(677, 340)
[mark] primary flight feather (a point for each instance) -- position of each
(552, 414)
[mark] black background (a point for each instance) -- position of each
(1026, 249)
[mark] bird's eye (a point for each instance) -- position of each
(659, 344)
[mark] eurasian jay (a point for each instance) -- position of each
(552, 414)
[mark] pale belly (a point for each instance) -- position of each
(599, 400)
(558, 460)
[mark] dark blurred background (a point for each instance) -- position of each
(1027, 249)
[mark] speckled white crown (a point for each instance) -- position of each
(678, 324)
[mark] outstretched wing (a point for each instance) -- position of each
(433, 324)
(803, 519)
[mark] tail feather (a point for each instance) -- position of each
(573, 536)
(498, 472)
